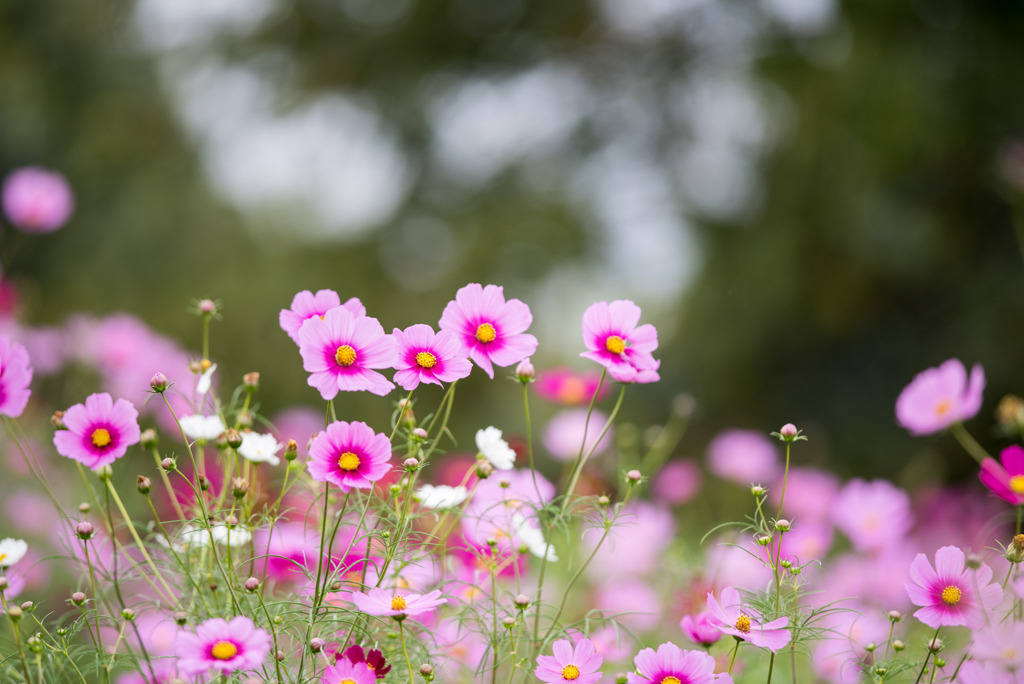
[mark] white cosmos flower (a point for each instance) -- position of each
(494, 448)
(260, 448)
(200, 427)
(12, 551)
(222, 534)
(203, 386)
(532, 538)
(441, 496)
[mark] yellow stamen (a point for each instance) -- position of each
(2, 557)
(1017, 484)
(570, 672)
(943, 407)
(951, 595)
(347, 681)
(348, 461)
(397, 602)
(615, 344)
(224, 650)
(743, 623)
(100, 438)
(670, 680)
(486, 333)
(426, 359)
(345, 356)
(205, 364)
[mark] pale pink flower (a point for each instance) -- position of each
(672, 664)
(563, 435)
(940, 397)
(382, 602)
(702, 629)
(15, 378)
(579, 664)
(36, 200)
(341, 350)
(492, 330)
(949, 594)
(305, 305)
(677, 482)
(743, 456)
(873, 515)
(222, 646)
(614, 339)
(745, 623)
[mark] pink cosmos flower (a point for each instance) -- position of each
(566, 386)
(740, 621)
(15, 377)
(701, 629)
(940, 397)
(491, 329)
(1006, 481)
(37, 200)
(349, 455)
(672, 664)
(677, 482)
(345, 671)
(614, 340)
(426, 357)
(305, 305)
(98, 432)
(222, 646)
(580, 664)
(341, 349)
(873, 515)
(563, 434)
(948, 593)
(744, 457)
(385, 603)
(374, 661)
(973, 672)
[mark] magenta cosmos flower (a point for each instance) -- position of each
(732, 617)
(491, 330)
(394, 604)
(37, 200)
(1006, 481)
(98, 432)
(426, 357)
(340, 350)
(222, 646)
(15, 377)
(672, 665)
(701, 629)
(940, 397)
(346, 672)
(580, 664)
(948, 593)
(566, 386)
(614, 340)
(305, 305)
(349, 455)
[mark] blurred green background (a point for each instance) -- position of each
(813, 200)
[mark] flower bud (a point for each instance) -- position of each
(244, 419)
(419, 433)
(84, 507)
(521, 601)
(621, 678)
(870, 647)
(167, 464)
(1010, 412)
(782, 525)
(788, 432)
(159, 382)
(28, 606)
(34, 643)
(764, 539)
(508, 622)
(395, 488)
(204, 484)
(758, 490)
(104, 472)
(78, 598)
(128, 614)
(15, 613)
(195, 366)
(84, 530)
(230, 520)
(939, 662)
(634, 476)
(144, 484)
(935, 645)
(484, 469)
(525, 371)
(148, 438)
(281, 656)
(57, 420)
(207, 307)
(252, 584)
(1015, 551)
(427, 672)
(251, 381)
(316, 644)
(239, 487)
(603, 500)
(898, 645)
(180, 618)
(291, 450)
(411, 465)
(233, 438)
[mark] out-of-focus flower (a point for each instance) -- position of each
(495, 449)
(99, 431)
(222, 647)
(305, 305)
(36, 200)
(341, 350)
(566, 386)
(614, 340)
(677, 482)
(579, 664)
(743, 457)
(672, 664)
(973, 672)
(745, 623)
(564, 434)
(426, 357)
(349, 455)
(701, 629)
(940, 397)
(949, 594)
(441, 496)
(205, 380)
(1000, 643)
(202, 428)
(260, 448)
(810, 494)
(15, 378)
(12, 551)
(373, 660)
(492, 330)
(346, 672)
(385, 603)
(873, 515)
(1005, 480)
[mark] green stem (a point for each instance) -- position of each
(583, 459)
(138, 541)
(771, 666)
(927, 656)
(968, 442)
(405, 651)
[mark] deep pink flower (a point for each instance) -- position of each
(426, 357)
(1006, 481)
(732, 617)
(672, 664)
(491, 329)
(349, 455)
(373, 660)
(346, 672)
(940, 397)
(222, 646)
(873, 515)
(98, 432)
(305, 305)
(580, 664)
(701, 629)
(15, 378)
(386, 603)
(37, 200)
(340, 350)
(566, 386)
(614, 340)
(948, 593)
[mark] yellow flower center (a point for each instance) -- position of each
(224, 650)
(670, 680)
(347, 681)
(397, 602)
(570, 672)
(943, 407)
(100, 438)
(1017, 484)
(426, 360)
(615, 344)
(743, 623)
(486, 333)
(348, 461)
(205, 364)
(2, 557)
(951, 595)
(345, 356)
